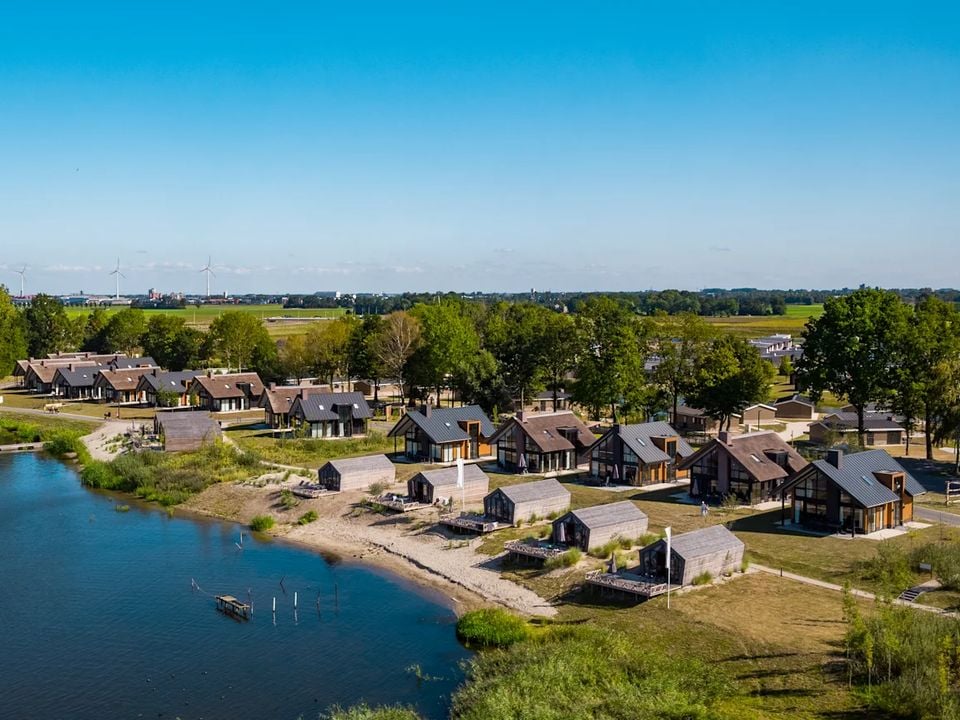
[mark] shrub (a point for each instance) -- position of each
(567, 559)
(121, 508)
(377, 489)
(889, 569)
(703, 578)
(364, 712)
(744, 564)
(605, 550)
(288, 499)
(307, 518)
(491, 628)
(262, 523)
(545, 532)
(624, 543)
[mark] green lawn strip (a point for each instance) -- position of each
(309, 453)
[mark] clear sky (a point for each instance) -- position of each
(498, 146)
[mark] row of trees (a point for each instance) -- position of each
(871, 347)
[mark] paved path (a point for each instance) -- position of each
(837, 588)
(935, 516)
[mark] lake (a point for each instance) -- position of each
(100, 618)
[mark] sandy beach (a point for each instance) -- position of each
(409, 545)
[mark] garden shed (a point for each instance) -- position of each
(358, 473)
(595, 526)
(430, 486)
(186, 430)
(713, 550)
(517, 503)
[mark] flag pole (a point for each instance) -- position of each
(668, 531)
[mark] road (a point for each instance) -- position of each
(935, 516)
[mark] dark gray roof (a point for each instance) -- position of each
(856, 477)
(638, 438)
(442, 427)
(796, 397)
(610, 514)
(705, 541)
(187, 424)
(318, 407)
(125, 363)
(175, 381)
(848, 421)
(78, 377)
(365, 463)
(537, 490)
(448, 476)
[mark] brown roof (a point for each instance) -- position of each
(127, 379)
(545, 430)
(46, 369)
(279, 400)
(220, 387)
(750, 451)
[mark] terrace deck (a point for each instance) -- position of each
(310, 490)
(626, 582)
(535, 549)
(400, 504)
(229, 605)
(474, 523)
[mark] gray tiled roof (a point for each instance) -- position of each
(448, 476)
(848, 421)
(125, 363)
(705, 541)
(639, 439)
(610, 514)
(78, 377)
(525, 492)
(175, 381)
(442, 427)
(856, 478)
(318, 407)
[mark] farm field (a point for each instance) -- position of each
(203, 315)
(751, 326)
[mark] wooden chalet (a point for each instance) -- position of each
(857, 493)
(74, 382)
(120, 386)
(593, 527)
(277, 401)
(514, 504)
(795, 407)
(39, 374)
(542, 443)
(440, 486)
(640, 454)
(713, 550)
(228, 392)
(167, 389)
(879, 429)
(758, 414)
(445, 434)
(331, 415)
(694, 421)
(182, 430)
(751, 467)
(357, 473)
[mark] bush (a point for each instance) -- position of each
(62, 442)
(605, 550)
(584, 672)
(121, 508)
(568, 559)
(744, 564)
(889, 569)
(377, 489)
(945, 561)
(307, 518)
(491, 628)
(364, 712)
(703, 578)
(262, 523)
(288, 499)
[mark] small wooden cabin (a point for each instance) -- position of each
(517, 503)
(431, 486)
(795, 407)
(713, 550)
(357, 473)
(184, 430)
(758, 414)
(595, 526)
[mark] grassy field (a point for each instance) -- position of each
(751, 326)
(94, 410)
(309, 453)
(205, 314)
(22, 427)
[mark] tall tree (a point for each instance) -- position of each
(295, 357)
(48, 328)
(852, 349)
(561, 342)
(236, 334)
(174, 345)
(124, 331)
(679, 343)
(610, 364)
(328, 346)
(448, 343)
(515, 334)
(393, 345)
(363, 360)
(94, 327)
(13, 334)
(730, 375)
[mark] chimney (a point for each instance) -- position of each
(835, 458)
(724, 437)
(427, 410)
(519, 415)
(70, 367)
(209, 373)
(272, 386)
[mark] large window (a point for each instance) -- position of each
(810, 501)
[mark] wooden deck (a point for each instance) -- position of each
(229, 605)
(400, 504)
(627, 582)
(310, 490)
(473, 523)
(535, 549)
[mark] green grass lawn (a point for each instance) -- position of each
(20, 427)
(205, 314)
(94, 410)
(309, 453)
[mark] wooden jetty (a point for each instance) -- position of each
(399, 503)
(473, 523)
(229, 605)
(534, 549)
(640, 586)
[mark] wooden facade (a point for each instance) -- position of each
(443, 435)
(593, 527)
(440, 486)
(514, 504)
(714, 550)
(641, 454)
(358, 473)
(543, 443)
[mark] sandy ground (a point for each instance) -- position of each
(410, 545)
(102, 442)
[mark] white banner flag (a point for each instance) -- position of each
(460, 473)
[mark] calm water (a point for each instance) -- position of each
(98, 619)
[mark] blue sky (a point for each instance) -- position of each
(499, 146)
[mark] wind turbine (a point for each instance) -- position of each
(119, 275)
(21, 273)
(208, 269)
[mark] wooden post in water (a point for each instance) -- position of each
(274, 605)
(336, 597)
(294, 599)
